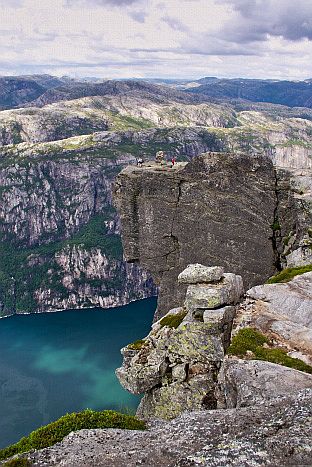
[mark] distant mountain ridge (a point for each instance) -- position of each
(289, 93)
(40, 90)
(15, 91)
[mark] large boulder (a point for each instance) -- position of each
(251, 382)
(196, 273)
(228, 290)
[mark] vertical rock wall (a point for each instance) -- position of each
(217, 209)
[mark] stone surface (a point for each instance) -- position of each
(282, 310)
(300, 257)
(223, 318)
(175, 367)
(209, 296)
(276, 433)
(229, 198)
(243, 383)
(195, 273)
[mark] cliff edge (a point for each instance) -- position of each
(217, 209)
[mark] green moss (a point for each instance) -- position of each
(246, 339)
(173, 321)
(252, 340)
(275, 226)
(287, 274)
(56, 431)
(18, 462)
(137, 345)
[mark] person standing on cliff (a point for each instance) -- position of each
(173, 160)
(159, 157)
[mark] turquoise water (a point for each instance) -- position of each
(54, 363)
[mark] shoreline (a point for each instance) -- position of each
(82, 308)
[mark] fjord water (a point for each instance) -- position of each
(56, 363)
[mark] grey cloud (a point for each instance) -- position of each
(174, 23)
(101, 2)
(138, 16)
(260, 18)
(11, 3)
(214, 45)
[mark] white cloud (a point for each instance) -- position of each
(152, 38)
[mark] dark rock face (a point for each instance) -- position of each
(216, 210)
(277, 433)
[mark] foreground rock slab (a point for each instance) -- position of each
(277, 434)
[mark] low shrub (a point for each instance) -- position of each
(252, 340)
(56, 431)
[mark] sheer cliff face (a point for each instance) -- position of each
(60, 246)
(216, 210)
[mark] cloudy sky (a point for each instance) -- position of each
(157, 38)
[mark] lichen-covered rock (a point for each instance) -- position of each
(206, 296)
(167, 402)
(244, 383)
(223, 318)
(176, 365)
(196, 273)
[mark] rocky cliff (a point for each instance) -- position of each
(55, 187)
(60, 244)
(250, 409)
(218, 209)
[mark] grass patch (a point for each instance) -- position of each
(287, 274)
(54, 432)
(252, 340)
(18, 462)
(173, 321)
(275, 226)
(137, 345)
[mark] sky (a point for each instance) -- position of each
(157, 38)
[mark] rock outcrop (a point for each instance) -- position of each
(261, 411)
(245, 383)
(283, 311)
(177, 364)
(218, 209)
